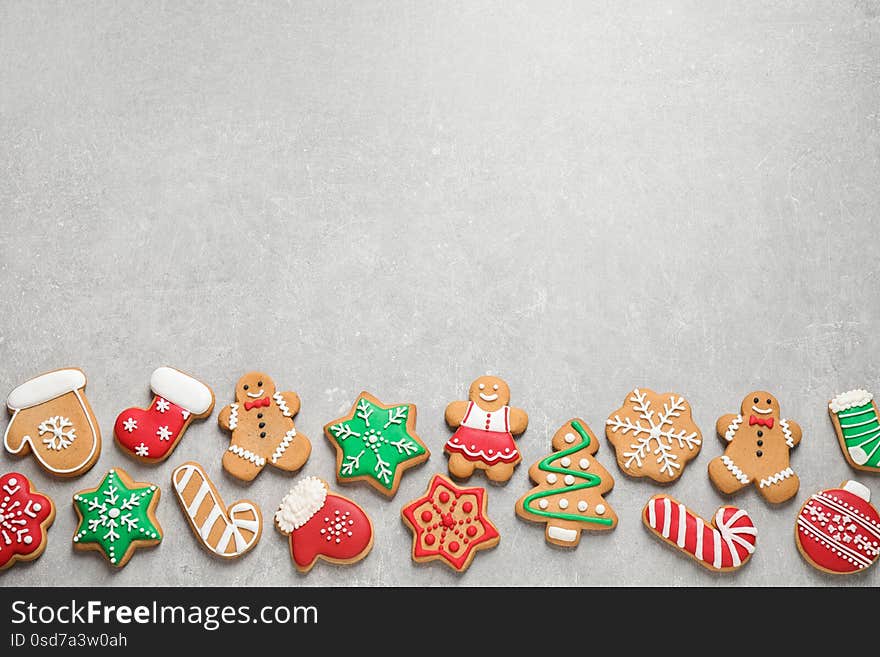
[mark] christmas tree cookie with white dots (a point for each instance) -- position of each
(117, 517)
(570, 488)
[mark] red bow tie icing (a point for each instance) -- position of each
(265, 401)
(763, 421)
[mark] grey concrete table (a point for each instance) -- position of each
(398, 197)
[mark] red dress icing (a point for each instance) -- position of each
(22, 514)
(484, 436)
(839, 531)
(340, 530)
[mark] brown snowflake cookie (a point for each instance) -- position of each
(654, 435)
(759, 442)
(261, 422)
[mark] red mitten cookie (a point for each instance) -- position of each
(323, 525)
(151, 434)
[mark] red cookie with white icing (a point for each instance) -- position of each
(838, 530)
(450, 523)
(25, 517)
(323, 525)
(151, 434)
(724, 544)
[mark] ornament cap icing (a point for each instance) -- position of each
(858, 489)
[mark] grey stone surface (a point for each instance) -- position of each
(398, 197)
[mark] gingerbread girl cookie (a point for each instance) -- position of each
(759, 445)
(261, 422)
(485, 426)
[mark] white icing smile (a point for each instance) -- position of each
(257, 394)
(762, 411)
(488, 398)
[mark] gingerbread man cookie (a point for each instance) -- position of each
(261, 422)
(759, 445)
(485, 425)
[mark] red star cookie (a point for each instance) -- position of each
(449, 523)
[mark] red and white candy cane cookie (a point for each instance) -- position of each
(151, 434)
(838, 530)
(726, 543)
(25, 517)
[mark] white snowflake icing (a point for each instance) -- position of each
(110, 513)
(164, 433)
(130, 424)
(162, 405)
(142, 450)
(342, 431)
(658, 428)
(62, 431)
(395, 416)
(364, 411)
(352, 463)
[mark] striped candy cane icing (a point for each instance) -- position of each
(241, 517)
(727, 543)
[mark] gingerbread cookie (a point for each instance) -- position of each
(51, 417)
(226, 532)
(838, 530)
(726, 543)
(855, 419)
(759, 441)
(571, 484)
(654, 435)
(323, 525)
(151, 434)
(484, 426)
(117, 517)
(261, 422)
(450, 523)
(25, 517)
(376, 443)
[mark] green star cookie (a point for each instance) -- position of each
(376, 443)
(117, 517)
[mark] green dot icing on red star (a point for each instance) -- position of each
(376, 443)
(450, 523)
(117, 517)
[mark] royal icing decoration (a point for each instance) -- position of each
(838, 530)
(227, 532)
(484, 426)
(25, 517)
(568, 497)
(51, 418)
(449, 523)
(758, 441)
(117, 517)
(323, 525)
(857, 424)
(151, 434)
(376, 443)
(654, 435)
(263, 433)
(726, 543)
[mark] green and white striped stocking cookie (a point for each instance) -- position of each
(857, 423)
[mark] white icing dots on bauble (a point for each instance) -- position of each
(584, 464)
(568, 479)
(563, 503)
(582, 506)
(569, 438)
(551, 478)
(565, 462)
(600, 509)
(543, 504)
(28, 540)
(37, 506)
(13, 481)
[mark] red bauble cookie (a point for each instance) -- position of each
(838, 530)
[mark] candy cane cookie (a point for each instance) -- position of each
(722, 545)
(225, 532)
